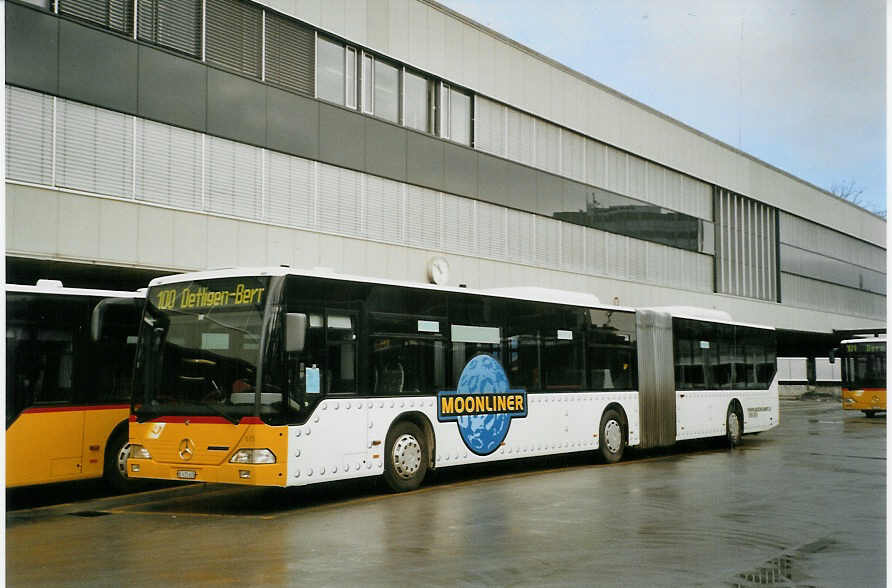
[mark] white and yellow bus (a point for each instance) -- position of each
(864, 374)
(69, 363)
(282, 377)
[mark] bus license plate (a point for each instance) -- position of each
(186, 474)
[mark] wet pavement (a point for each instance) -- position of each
(802, 505)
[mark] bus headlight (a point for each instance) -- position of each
(253, 456)
(139, 452)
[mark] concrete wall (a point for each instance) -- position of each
(67, 226)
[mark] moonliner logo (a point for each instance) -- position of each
(482, 405)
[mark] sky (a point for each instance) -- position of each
(799, 84)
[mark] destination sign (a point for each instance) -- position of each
(227, 293)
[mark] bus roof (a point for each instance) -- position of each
(710, 315)
(871, 339)
(534, 294)
(56, 287)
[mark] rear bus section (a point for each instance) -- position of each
(69, 360)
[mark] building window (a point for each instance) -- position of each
(289, 55)
(417, 105)
(234, 36)
(455, 119)
(350, 82)
(380, 88)
(116, 15)
(336, 72)
(174, 25)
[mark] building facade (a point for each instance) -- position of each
(372, 136)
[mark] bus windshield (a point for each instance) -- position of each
(200, 349)
(864, 365)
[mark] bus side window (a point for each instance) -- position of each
(304, 368)
(42, 340)
(341, 339)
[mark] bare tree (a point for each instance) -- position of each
(849, 190)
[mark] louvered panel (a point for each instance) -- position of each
(233, 32)
(489, 118)
(521, 236)
(521, 144)
(384, 210)
(548, 144)
(339, 200)
(458, 225)
(168, 165)
(673, 194)
(290, 187)
(656, 188)
(595, 166)
(175, 24)
(290, 54)
(637, 177)
(422, 217)
(234, 178)
(638, 259)
(94, 149)
(595, 252)
(116, 15)
(29, 136)
(548, 248)
(490, 231)
(617, 255)
(617, 171)
(656, 264)
(573, 247)
(573, 155)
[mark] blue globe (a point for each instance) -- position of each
(483, 433)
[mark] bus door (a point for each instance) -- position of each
(45, 337)
(108, 380)
(326, 369)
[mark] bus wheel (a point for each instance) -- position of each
(405, 459)
(612, 438)
(870, 413)
(116, 453)
(733, 426)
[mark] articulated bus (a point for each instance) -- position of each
(864, 374)
(69, 368)
(281, 377)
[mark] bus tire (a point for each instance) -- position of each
(870, 413)
(612, 436)
(405, 457)
(115, 467)
(734, 425)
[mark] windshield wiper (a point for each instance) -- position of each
(232, 419)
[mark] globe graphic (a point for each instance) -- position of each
(483, 433)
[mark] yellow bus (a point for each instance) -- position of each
(69, 360)
(864, 374)
(281, 377)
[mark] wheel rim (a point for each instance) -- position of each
(613, 436)
(121, 460)
(733, 426)
(406, 456)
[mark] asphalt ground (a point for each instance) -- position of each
(801, 505)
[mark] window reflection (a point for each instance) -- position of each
(611, 212)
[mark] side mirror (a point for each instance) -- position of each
(295, 331)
